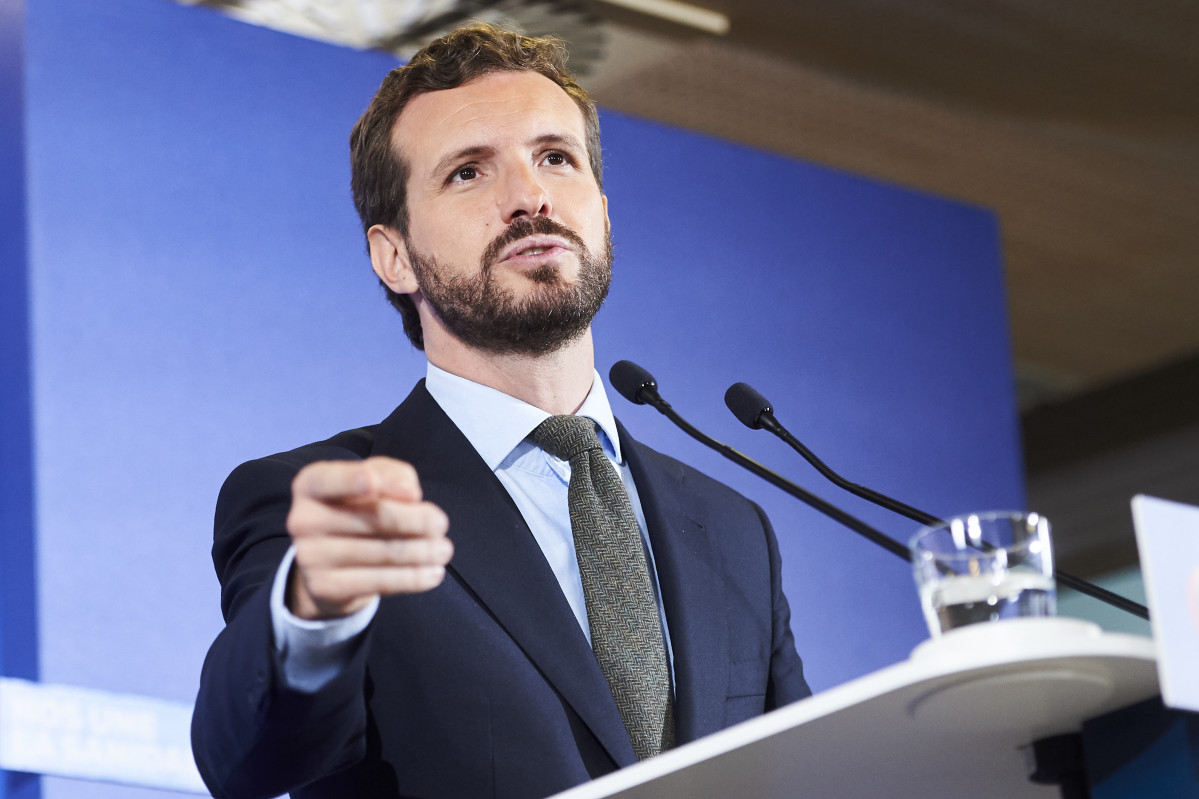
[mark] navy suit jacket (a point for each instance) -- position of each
(486, 685)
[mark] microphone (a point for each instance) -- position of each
(755, 412)
(635, 384)
(639, 387)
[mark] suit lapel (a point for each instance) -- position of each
(499, 561)
(692, 591)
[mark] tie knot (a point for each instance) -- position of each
(566, 437)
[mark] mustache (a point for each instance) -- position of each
(530, 226)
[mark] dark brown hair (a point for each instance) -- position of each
(378, 172)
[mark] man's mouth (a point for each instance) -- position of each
(531, 241)
(538, 246)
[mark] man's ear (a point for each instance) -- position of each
(607, 221)
(389, 259)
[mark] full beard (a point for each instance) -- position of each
(489, 317)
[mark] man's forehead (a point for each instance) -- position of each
(505, 101)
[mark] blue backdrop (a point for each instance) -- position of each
(183, 180)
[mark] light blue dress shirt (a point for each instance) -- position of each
(497, 426)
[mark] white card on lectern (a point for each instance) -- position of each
(1168, 543)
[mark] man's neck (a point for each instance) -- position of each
(556, 382)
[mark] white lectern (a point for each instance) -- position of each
(954, 720)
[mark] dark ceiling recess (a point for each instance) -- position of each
(1115, 416)
(1089, 455)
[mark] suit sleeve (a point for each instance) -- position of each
(252, 736)
(786, 682)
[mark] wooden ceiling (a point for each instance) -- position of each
(1077, 121)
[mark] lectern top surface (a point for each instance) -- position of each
(952, 720)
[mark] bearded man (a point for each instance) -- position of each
(600, 602)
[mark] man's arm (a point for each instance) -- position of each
(362, 530)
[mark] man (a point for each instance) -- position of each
(600, 602)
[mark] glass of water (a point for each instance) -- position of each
(984, 567)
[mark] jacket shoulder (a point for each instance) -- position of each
(700, 486)
(345, 446)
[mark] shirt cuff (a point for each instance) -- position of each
(313, 652)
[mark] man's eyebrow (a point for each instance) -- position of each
(458, 156)
(564, 139)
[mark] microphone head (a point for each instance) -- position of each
(747, 404)
(631, 381)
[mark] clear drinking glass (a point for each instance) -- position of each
(984, 567)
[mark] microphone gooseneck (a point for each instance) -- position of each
(638, 386)
(755, 412)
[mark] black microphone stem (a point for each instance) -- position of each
(766, 421)
(650, 396)
(891, 504)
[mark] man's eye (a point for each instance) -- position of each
(466, 173)
(556, 159)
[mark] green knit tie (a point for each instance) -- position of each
(625, 631)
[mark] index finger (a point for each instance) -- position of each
(347, 481)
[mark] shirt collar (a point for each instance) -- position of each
(496, 423)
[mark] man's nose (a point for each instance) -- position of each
(524, 195)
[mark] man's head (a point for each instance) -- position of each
(484, 62)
